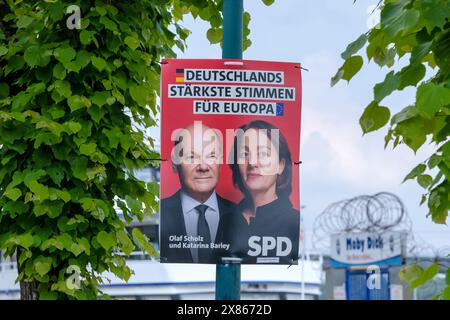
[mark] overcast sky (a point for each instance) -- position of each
(338, 162)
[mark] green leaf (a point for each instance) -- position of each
(73, 126)
(354, 47)
(108, 23)
(15, 63)
(439, 217)
(24, 21)
(423, 199)
(78, 219)
(20, 101)
(431, 98)
(413, 132)
(79, 167)
(106, 240)
(113, 137)
(441, 54)
(445, 148)
(47, 138)
(86, 37)
(424, 180)
(100, 97)
(98, 63)
(132, 42)
(385, 88)
(15, 207)
(64, 54)
(411, 273)
(419, 169)
(140, 95)
(110, 101)
(214, 35)
(76, 249)
(13, 193)
(39, 190)
(419, 52)
(25, 240)
(48, 295)
(63, 195)
(4, 90)
(33, 175)
(350, 67)
(52, 209)
(411, 75)
(66, 240)
(153, 188)
(394, 18)
(435, 14)
(117, 63)
(101, 10)
(59, 71)
(142, 242)
(134, 205)
(126, 245)
(118, 96)
(444, 169)
(98, 208)
(32, 56)
(82, 60)
(3, 50)
(374, 117)
(85, 245)
(42, 265)
(446, 293)
(96, 113)
(447, 277)
(113, 11)
(35, 57)
(88, 149)
(63, 88)
(76, 102)
(430, 272)
(434, 160)
(405, 114)
(56, 172)
(268, 2)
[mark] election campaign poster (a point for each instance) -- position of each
(230, 140)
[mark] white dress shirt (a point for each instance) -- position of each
(190, 214)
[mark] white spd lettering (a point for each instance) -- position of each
(260, 246)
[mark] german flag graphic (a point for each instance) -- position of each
(179, 75)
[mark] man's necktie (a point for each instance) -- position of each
(204, 254)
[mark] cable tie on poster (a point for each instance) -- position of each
(297, 162)
(301, 68)
(230, 260)
(233, 63)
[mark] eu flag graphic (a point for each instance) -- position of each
(280, 109)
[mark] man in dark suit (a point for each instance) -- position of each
(191, 219)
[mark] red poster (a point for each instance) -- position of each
(230, 143)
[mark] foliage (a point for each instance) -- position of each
(73, 107)
(417, 276)
(416, 34)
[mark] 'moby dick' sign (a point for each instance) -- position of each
(366, 248)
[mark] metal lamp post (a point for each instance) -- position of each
(228, 273)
